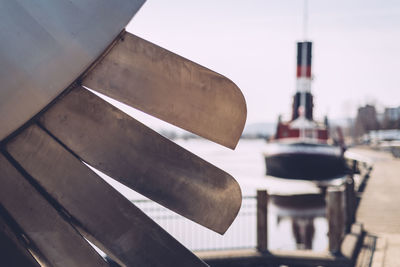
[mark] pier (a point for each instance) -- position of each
(379, 212)
(363, 217)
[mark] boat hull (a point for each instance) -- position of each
(305, 162)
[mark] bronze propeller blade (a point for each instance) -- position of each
(13, 251)
(170, 87)
(56, 242)
(102, 214)
(128, 151)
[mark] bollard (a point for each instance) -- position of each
(335, 216)
(262, 220)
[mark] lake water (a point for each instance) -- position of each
(246, 164)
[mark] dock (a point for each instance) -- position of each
(372, 238)
(379, 212)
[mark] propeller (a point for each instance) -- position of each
(128, 151)
(46, 45)
(52, 125)
(98, 211)
(170, 87)
(53, 240)
(13, 251)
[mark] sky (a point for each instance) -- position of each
(356, 49)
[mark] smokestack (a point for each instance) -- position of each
(304, 59)
(303, 84)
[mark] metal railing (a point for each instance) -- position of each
(241, 234)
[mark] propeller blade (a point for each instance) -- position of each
(56, 241)
(170, 87)
(103, 216)
(128, 151)
(13, 251)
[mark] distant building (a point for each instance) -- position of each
(366, 120)
(392, 113)
(391, 118)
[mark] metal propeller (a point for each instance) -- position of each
(98, 211)
(170, 87)
(54, 241)
(131, 153)
(50, 200)
(14, 252)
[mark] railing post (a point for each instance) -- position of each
(350, 196)
(335, 216)
(354, 167)
(262, 220)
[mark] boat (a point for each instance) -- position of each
(302, 148)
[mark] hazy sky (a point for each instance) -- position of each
(356, 53)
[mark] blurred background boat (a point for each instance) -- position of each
(303, 148)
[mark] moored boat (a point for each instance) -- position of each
(302, 147)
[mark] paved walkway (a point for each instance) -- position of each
(379, 209)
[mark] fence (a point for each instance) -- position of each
(251, 228)
(241, 234)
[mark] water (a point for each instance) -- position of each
(246, 164)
